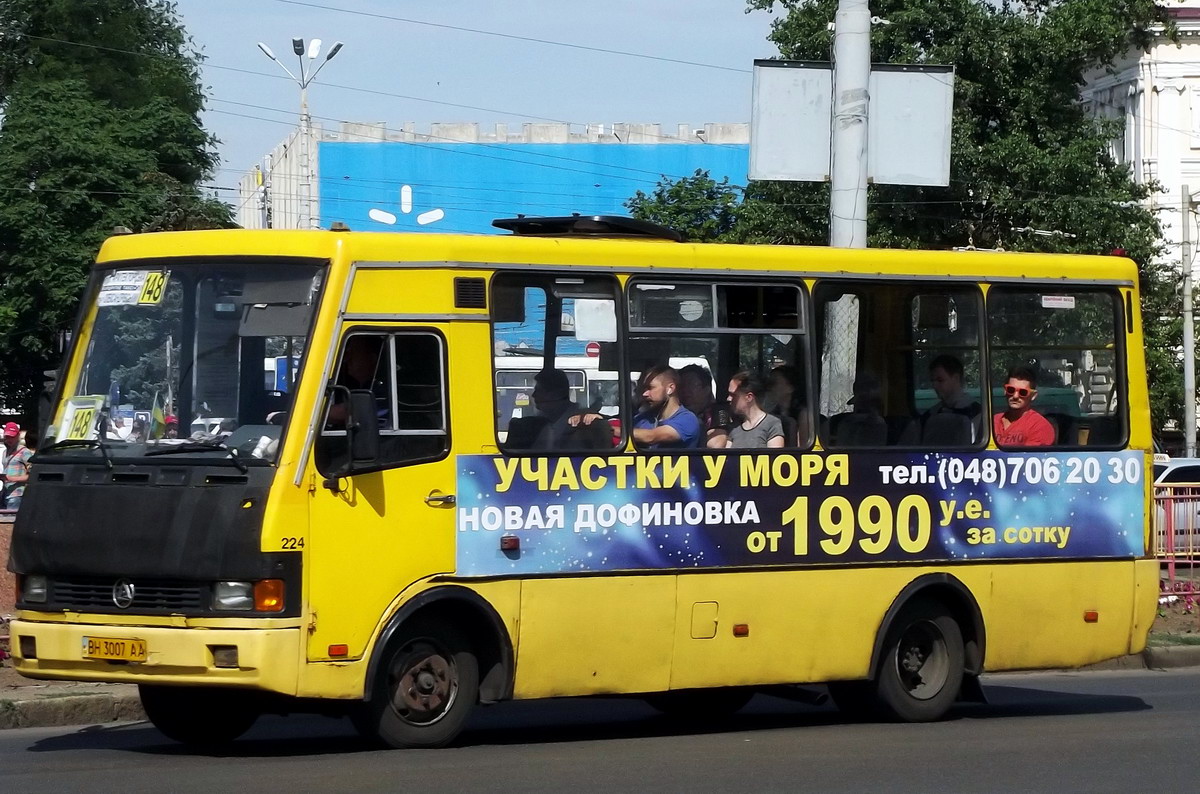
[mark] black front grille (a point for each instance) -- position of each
(148, 595)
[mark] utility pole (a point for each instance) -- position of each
(1189, 330)
(308, 219)
(848, 136)
(848, 188)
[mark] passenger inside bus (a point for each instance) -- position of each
(1021, 425)
(956, 419)
(663, 422)
(552, 399)
(785, 399)
(757, 428)
(864, 426)
(696, 394)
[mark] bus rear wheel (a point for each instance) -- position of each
(198, 715)
(922, 668)
(425, 690)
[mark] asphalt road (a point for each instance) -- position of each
(1095, 731)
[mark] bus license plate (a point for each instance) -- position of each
(126, 650)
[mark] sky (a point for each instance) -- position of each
(412, 60)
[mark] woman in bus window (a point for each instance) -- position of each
(758, 429)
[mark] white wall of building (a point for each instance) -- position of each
(1156, 94)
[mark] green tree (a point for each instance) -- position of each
(701, 208)
(1026, 153)
(101, 128)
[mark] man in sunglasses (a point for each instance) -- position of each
(1020, 425)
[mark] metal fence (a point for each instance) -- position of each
(1176, 542)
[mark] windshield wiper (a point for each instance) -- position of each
(201, 446)
(89, 443)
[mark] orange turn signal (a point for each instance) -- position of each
(1091, 616)
(741, 629)
(339, 650)
(268, 595)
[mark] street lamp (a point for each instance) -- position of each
(1189, 330)
(306, 77)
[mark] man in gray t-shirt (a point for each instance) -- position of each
(757, 428)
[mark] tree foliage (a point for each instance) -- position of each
(700, 207)
(1026, 153)
(101, 104)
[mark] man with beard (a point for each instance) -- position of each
(663, 422)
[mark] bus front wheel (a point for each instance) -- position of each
(198, 715)
(922, 667)
(425, 690)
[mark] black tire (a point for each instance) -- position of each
(199, 716)
(701, 705)
(426, 686)
(921, 671)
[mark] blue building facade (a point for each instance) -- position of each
(461, 187)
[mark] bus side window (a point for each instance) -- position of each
(556, 362)
(948, 404)
(707, 334)
(900, 365)
(1065, 347)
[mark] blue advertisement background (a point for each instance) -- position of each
(1101, 519)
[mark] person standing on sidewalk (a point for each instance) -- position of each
(16, 466)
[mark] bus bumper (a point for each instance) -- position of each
(260, 659)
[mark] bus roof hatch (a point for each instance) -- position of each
(586, 226)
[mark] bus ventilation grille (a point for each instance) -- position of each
(470, 293)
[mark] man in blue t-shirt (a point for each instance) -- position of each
(664, 423)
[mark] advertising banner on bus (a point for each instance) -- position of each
(658, 512)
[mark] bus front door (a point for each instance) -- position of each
(375, 532)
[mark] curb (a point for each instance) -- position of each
(49, 712)
(1170, 656)
(1160, 657)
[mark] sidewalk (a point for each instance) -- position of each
(25, 703)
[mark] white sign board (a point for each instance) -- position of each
(908, 128)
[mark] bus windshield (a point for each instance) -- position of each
(176, 357)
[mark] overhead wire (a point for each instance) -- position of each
(515, 37)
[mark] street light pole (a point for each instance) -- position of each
(1189, 331)
(308, 219)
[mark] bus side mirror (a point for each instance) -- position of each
(363, 427)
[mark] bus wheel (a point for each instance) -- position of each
(425, 690)
(198, 715)
(922, 667)
(699, 705)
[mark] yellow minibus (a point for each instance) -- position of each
(884, 471)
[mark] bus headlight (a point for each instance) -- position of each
(34, 589)
(234, 596)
